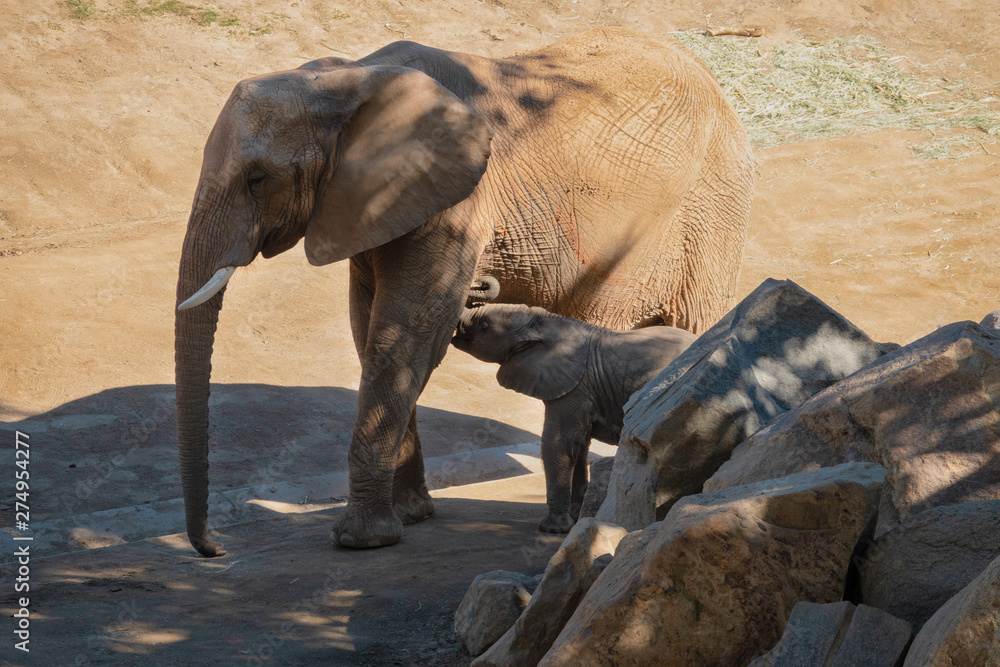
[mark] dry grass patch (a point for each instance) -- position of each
(204, 15)
(811, 89)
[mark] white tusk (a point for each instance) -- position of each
(210, 289)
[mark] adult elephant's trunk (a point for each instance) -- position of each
(483, 289)
(194, 335)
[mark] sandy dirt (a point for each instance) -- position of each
(104, 111)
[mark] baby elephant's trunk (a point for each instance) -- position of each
(462, 332)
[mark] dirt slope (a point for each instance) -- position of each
(104, 108)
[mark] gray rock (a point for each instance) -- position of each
(838, 635)
(715, 581)
(915, 568)
(991, 321)
(777, 348)
(874, 639)
(809, 635)
(597, 488)
(584, 554)
(926, 412)
(490, 607)
(966, 630)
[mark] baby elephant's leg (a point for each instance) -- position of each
(580, 475)
(564, 437)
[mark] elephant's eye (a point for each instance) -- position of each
(254, 179)
(484, 324)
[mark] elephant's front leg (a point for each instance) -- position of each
(411, 500)
(565, 438)
(416, 294)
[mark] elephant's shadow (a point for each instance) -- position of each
(118, 448)
(283, 595)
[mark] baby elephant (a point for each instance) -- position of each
(584, 374)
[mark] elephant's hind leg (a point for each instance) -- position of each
(410, 499)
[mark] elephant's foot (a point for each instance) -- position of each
(366, 528)
(557, 523)
(413, 505)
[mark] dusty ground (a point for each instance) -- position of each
(103, 112)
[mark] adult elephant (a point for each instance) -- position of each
(604, 177)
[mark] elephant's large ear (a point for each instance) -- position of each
(549, 362)
(410, 150)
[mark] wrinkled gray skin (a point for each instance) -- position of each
(604, 177)
(583, 373)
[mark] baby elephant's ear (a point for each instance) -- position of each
(548, 364)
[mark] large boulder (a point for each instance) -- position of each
(809, 635)
(991, 321)
(490, 607)
(839, 634)
(715, 581)
(966, 630)
(926, 412)
(777, 348)
(583, 555)
(916, 567)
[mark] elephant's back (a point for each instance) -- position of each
(619, 182)
(609, 66)
(619, 101)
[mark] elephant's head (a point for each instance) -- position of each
(540, 354)
(347, 156)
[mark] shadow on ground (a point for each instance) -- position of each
(284, 595)
(118, 448)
